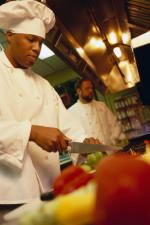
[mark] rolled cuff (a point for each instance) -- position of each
(13, 143)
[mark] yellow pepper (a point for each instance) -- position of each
(75, 209)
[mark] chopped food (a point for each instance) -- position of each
(76, 208)
(71, 178)
(92, 160)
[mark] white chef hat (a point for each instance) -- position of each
(27, 17)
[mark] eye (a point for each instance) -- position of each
(30, 39)
(40, 44)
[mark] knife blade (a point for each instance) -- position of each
(82, 148)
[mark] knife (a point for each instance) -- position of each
(82, 148)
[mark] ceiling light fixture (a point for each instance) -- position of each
(80, 51)
(125, 38)
(45, 52)
(112, 38)
(117, 52)
(96, 43)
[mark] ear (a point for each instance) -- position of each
(9, 36)
(78, 91)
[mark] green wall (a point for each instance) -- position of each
(61, 77)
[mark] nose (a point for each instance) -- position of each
(91, 90)
(36, 47)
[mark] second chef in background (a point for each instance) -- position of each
(94, 116)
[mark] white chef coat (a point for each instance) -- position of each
(98, 121)
(26, 99)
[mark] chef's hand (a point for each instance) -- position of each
(91, 140)
(49, 138)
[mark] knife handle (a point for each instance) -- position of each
(68, 150)
(47, 196)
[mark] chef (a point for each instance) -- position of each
(34, 124)
(94, 116)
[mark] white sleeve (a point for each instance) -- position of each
(14, 137)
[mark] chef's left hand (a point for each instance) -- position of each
(91, 140)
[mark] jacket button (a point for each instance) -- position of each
(20, 95)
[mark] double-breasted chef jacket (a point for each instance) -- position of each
(27, 99)
(98, 121)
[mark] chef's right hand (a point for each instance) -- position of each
(49, 138)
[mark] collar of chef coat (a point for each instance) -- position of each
(88, 103)
(5, 60)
